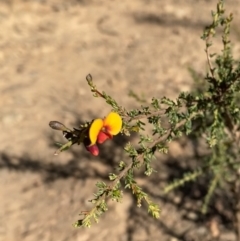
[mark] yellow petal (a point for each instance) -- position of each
(94, 129)
(113, 123)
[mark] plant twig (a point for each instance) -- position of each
(208, 59)
(142, 116)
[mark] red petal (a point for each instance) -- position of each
(102, 137)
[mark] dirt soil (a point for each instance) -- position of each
(47, 47)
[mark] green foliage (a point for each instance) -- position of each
(210, 112)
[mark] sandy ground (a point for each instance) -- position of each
(46, 50)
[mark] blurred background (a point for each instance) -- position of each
(47, 47)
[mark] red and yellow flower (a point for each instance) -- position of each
(101, 130)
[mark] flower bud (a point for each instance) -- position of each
(56, 125)
(93, 149)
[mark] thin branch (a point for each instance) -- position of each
(142, 116)
(208, 58)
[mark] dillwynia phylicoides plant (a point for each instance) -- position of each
(211, 113)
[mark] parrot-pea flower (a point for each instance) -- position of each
(101, 130)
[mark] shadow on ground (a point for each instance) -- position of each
(221, 205)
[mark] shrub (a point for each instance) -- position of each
(211, 113)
